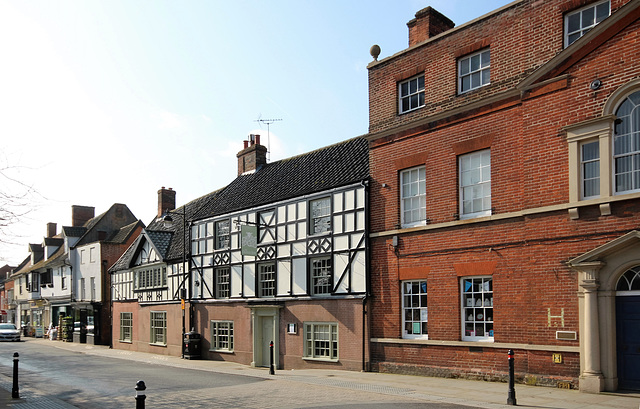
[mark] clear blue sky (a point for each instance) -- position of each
(104, 102)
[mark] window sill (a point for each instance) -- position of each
(157, 345)
(306, 358)
(221, 351)
(410, 110)
(125, 342)
(140, 290)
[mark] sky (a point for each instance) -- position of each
(105, 102)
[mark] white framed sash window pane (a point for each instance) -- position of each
(626, 146)
(413, 197)
(414, 309)
(321, 341)
(159, 327)
(223, 229)
(320, 215)
(222, 336)
(222, 282)
(321, 282)
(126, 326)
(590, 169)
(411, 94)
(477, 308)
(474, 71)
(475, 184)
(267, 279)
(579, 22)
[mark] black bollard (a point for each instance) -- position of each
(511, 399)
(271, 369)
(140, 394)
(15, 393)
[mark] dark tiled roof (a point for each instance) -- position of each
(121, 235)
(53, 241)
(70, 231)
(327, 168)
(160, 239)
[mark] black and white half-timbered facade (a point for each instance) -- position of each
(279, 255)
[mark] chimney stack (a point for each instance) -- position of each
(81, 214)
(166, 200)
(52, 229)
(253, 156)
(428, 23)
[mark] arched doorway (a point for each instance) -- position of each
(628, 329)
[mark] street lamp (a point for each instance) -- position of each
(167, 221)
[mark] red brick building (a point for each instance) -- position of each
(505, 195)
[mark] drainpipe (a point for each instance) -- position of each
(366, 339)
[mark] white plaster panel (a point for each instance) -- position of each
(281, 233)
(291, 232)
(299, 271)
(282, 214)
(360, 220)
(284, 277)
(236, 256)
(302, 230)
(337, 202)
(337, 224)
(299, 249)
(291, 212)
(360, 198)
(284, 250)
(249, 280)
(302, 210)
(359, 273)
(340, 262)
(251, 217)
(355, 239)
(349, 200)
(235, 239)
(236, 281)
(340, 243)
(349, 222)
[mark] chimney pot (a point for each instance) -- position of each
(252, 156)
(428, 23)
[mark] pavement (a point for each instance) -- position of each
(481, 394)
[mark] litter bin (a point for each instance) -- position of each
(191, 345)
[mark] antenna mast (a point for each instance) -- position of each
(268, 122)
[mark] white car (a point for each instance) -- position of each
(9, 332)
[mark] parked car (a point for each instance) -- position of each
(9, 332)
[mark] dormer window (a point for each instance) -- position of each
(579, 22)
(474, 71)
(411, 94)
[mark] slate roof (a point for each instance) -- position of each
(70, 231)
(53, 241)
(161, 239)
(333, 166)
(121, 235)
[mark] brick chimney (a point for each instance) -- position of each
(52, 229)
(81, 214)
(166, 200)
(253, 156)
(428, 23)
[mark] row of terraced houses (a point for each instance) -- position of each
(493, 205)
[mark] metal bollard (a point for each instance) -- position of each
(511, 399)
(140, 395)
(15, 393)
(271, 369)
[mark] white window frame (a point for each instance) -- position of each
(158, 328)
(411, 93)
(413, 196)
(151, 277)
(222, 238)
(586, 174)
(221, 336)
(223, 288)
(467, 70)
(126, 327)
(83, 290)
(320, 215)
(474, 175)
(321, 276)
(583, 27)
(633, 128)
(267, 277)
(476, 296)
(415, 316)
(321, 341)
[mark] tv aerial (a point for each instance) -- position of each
(268, 122)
